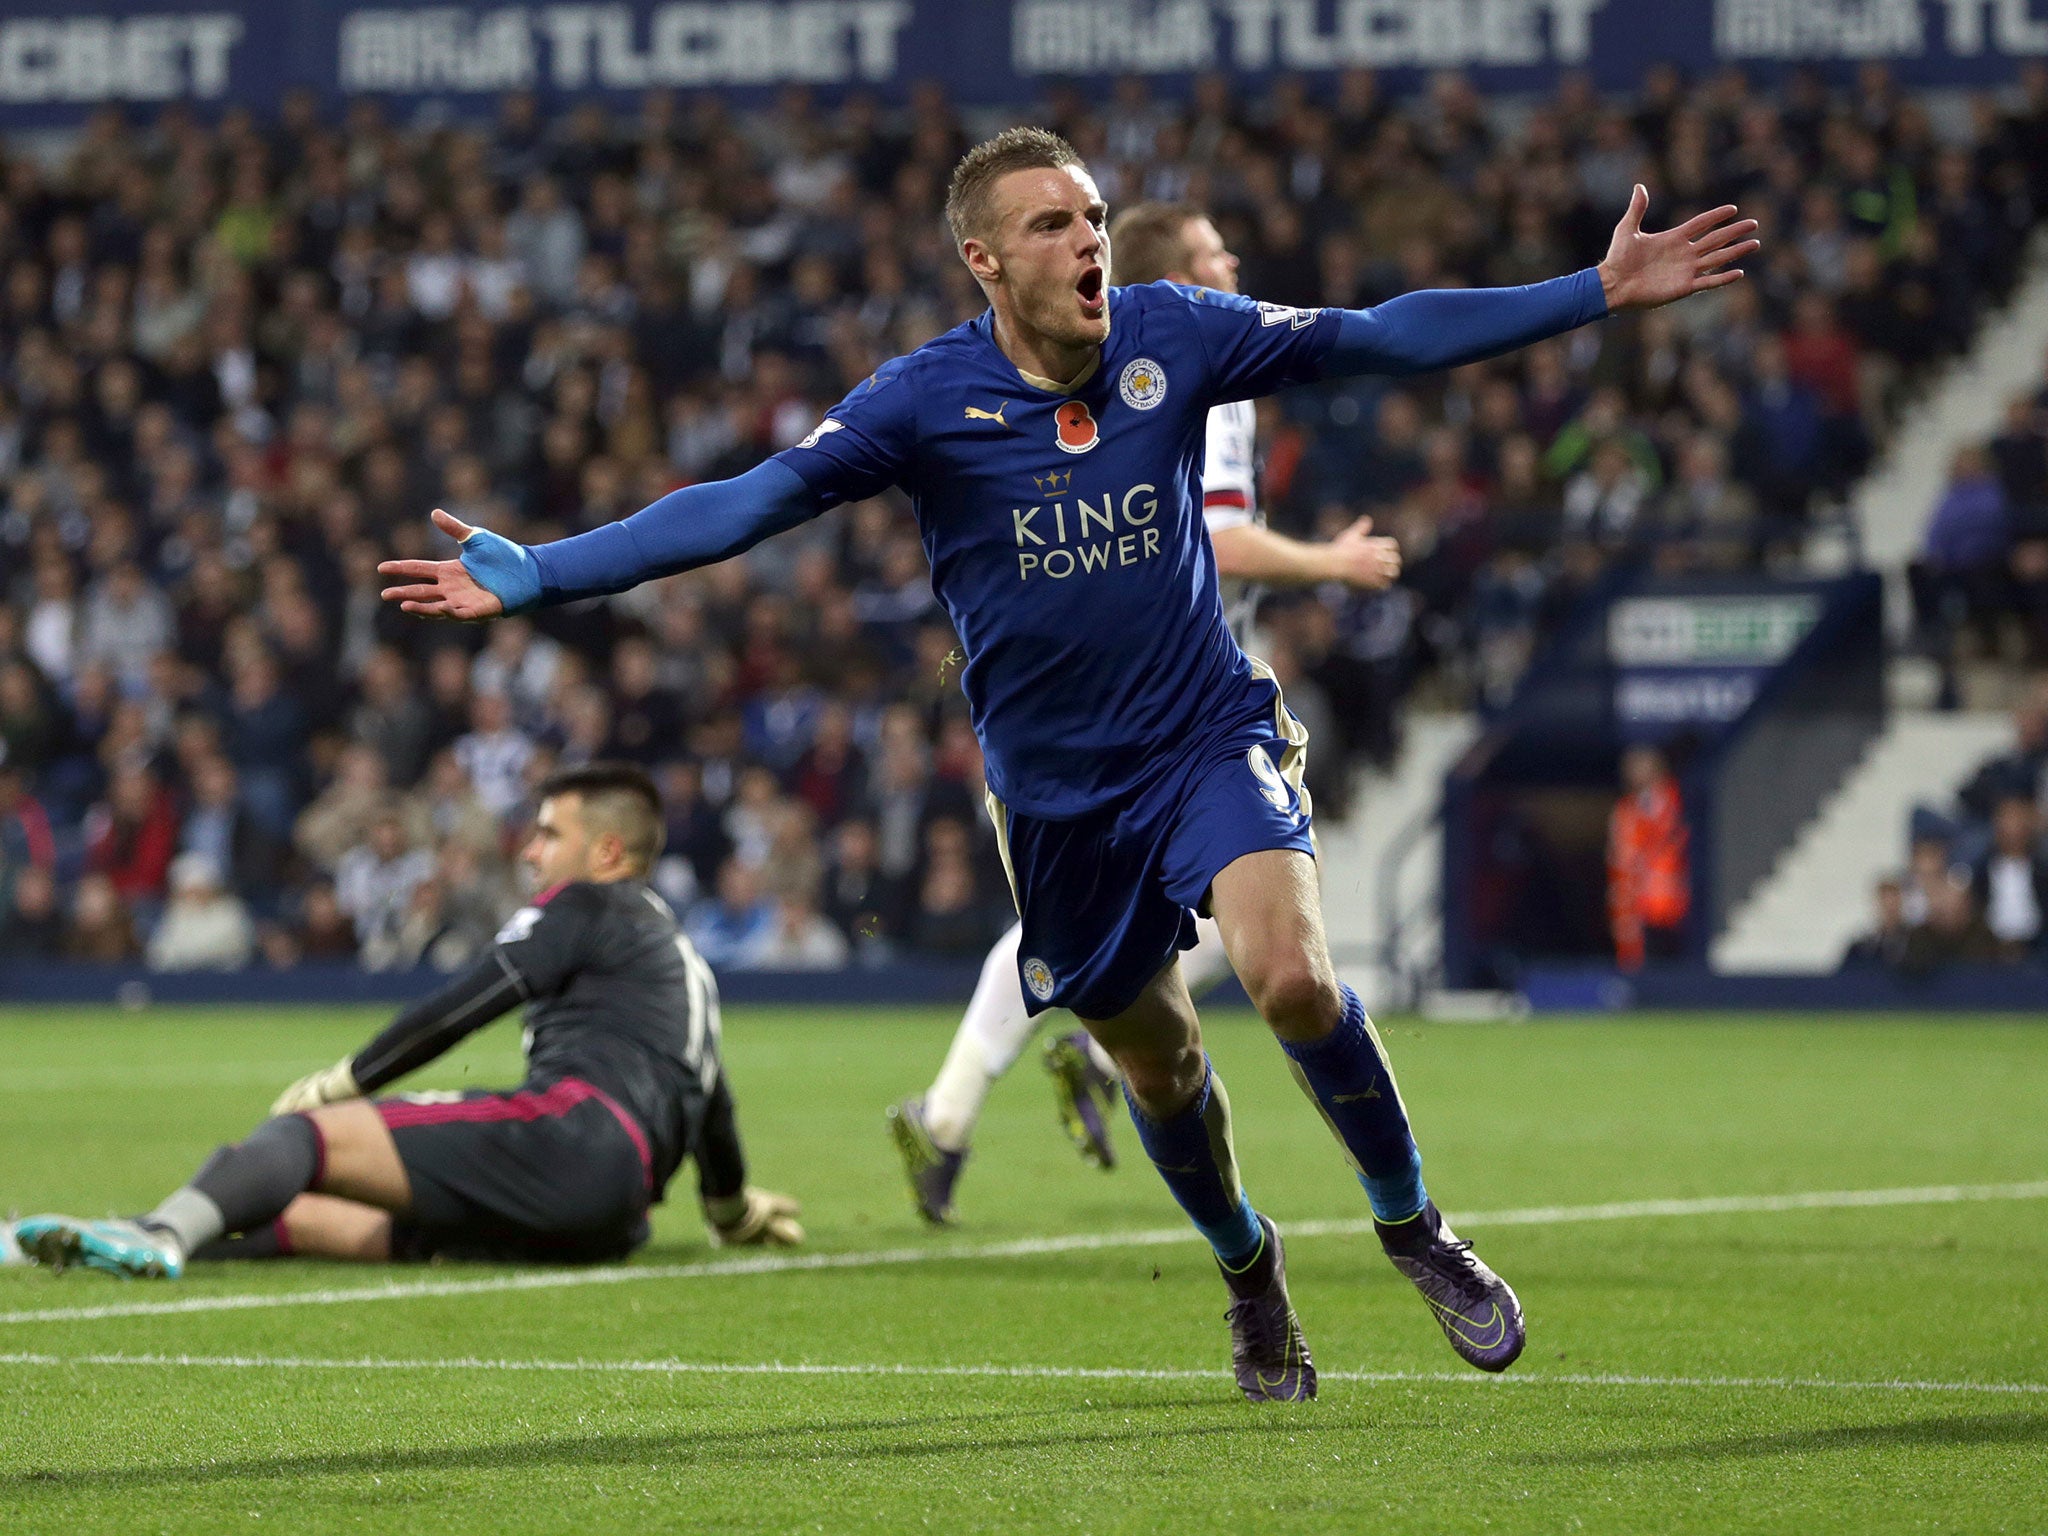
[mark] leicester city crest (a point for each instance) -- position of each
(1038, 977)
(1143, 384)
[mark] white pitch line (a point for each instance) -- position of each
(1024, 1372)
(1030, 1247)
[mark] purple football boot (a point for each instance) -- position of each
(1086, 1095)
(1267, 1351)
(1475, 1308)
(931, 1168)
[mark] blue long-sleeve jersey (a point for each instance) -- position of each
(1064, 525)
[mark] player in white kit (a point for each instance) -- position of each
(1147, 242)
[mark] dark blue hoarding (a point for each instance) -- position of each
(57, 60)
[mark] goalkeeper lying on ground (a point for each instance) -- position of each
(623, 1082)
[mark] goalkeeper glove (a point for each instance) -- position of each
(331, 1085)
(754, 1218)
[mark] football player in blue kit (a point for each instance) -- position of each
(1140, 768)
(933, 1131)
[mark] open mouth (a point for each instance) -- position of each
(1089, 291)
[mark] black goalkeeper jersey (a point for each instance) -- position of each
(615, 996)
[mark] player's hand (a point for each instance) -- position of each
(330, 1085)
(755, 1218)
(1358, 559)
(491, 576)
(1643, 271)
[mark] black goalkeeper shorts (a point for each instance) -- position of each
(556, 1173)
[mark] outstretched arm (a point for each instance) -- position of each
(430, 1027)
(697, 525)
(1448, 327)
(1355, 557)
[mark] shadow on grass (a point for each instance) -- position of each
(1974, 1430)
(844, 1440)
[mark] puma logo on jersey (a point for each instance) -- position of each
(995, 415)
(1075, 428)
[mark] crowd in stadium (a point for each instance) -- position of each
(1975, 885)
(239, 360)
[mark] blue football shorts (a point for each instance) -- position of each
(1108, 899)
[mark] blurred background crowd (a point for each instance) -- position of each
(239, 360)
(1974, 888)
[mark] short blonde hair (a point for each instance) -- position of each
(1149, 241)
(974, 178)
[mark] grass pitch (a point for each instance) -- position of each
(1712, 1364)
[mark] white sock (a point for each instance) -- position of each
(1104, 1062)
(991, 1036)
(1207, 966)
(996, 1029)
(189, 1217)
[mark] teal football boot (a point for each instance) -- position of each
(124, 1248)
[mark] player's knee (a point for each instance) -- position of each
(1296, 996)
(1162, 1082)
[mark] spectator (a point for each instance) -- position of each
(32, 927)
(446, 809)
(2011, 885)
(323, 930)
(205, 927)
(797, 939)
(754, 817)
(857, 898)
(953, 919)
(1928, 870)
(31, 730)
(221, 829)
(341, 817)
(1709, 514)
(1884, 945)
(1781, 436)
(1958, 581)
(2018, 771)
(478, 895)
(1953, 932)
(495, 754)
(831, 776)
(1649, 873)
(950, 923)
(520, 664)
(902, 790)
(127, 621)
(1602, 501)
(730, 929)
(132, 836)
(448, 697)
(101, 930)
(647, 719)
(25, 838)
(264, 731)
(375, 880)
(545, 236)
(392, 719)
(52, 634)
(696, 832)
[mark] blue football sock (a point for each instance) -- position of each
(1348, 1077)
(1193, 1154)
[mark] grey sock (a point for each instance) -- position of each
(250, 1183)
(189, 1217)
